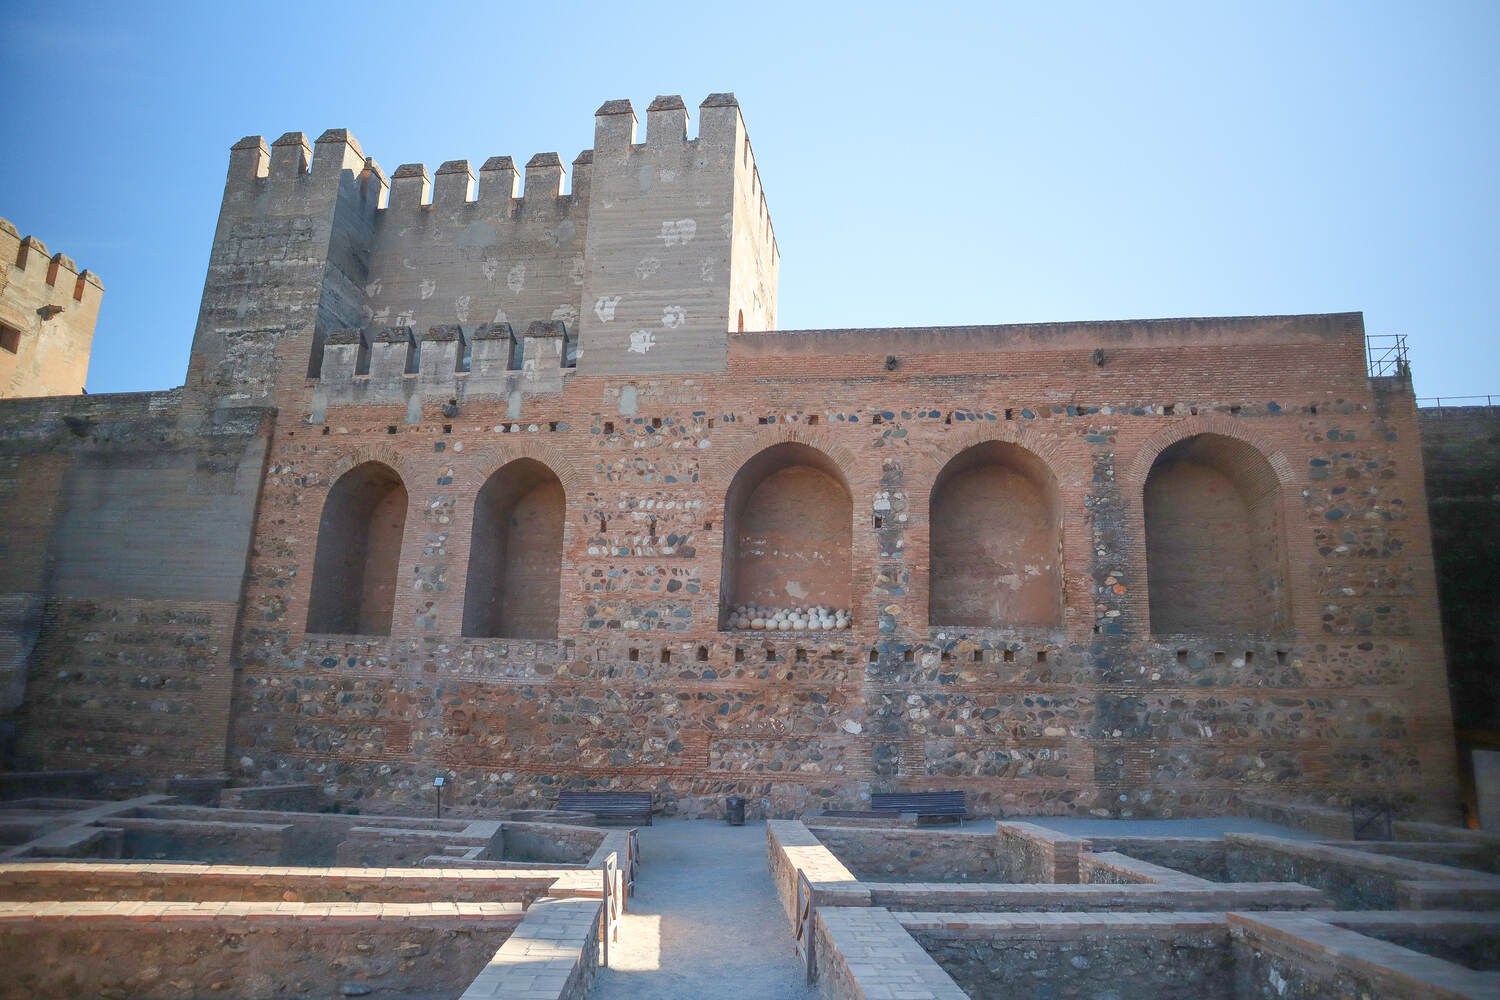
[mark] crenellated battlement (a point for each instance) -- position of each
(48, 309)
(667, 122)
(447, 363)
(455, 184)
(292, 157)
(29, 252)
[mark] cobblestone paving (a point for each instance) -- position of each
(704, 921)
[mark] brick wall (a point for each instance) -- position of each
(130, 533)
(642, 689)
(919, 856)
(1093, 713)
(167, 951)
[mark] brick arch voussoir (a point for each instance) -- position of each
(1145, 457)
(728, 465)
(385, 455)
(483, 463)
(1056, 456)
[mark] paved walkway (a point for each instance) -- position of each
(704, 922)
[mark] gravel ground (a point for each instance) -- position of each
(704, 921)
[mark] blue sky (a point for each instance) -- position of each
(924, 164)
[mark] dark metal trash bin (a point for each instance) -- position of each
(734, 810)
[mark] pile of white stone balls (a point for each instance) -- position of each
(813, 618)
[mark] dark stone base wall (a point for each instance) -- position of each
(1169, 964)
(61, 957)
(513, 723)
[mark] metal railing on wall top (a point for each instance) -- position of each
(1444, 402)
(1385, 355)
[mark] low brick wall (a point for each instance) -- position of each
(789, 846)
(1200, 856)
(1040, 956)
(193, 840)
(382, 846)
(1137, 898)
(863, 953)
(897, 854)
(37, 784)
(282, 798)
(314, 837)
(1479, 857)
(552, 955)
(198, 791)
(1337, 824)
(1356, 880)
(180, 951)
(1038, 854)
(1112, 868)
(556, 843)
(1446, 895)
(1297, 957)
(1411, 830)
(1468, 939)
(883, 820)
(246, 883)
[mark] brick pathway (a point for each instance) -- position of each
(704, 921)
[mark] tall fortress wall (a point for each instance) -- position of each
(489, 475)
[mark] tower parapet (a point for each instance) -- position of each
(308, 243)
(48, 309)
(289, 263)
(675, 259)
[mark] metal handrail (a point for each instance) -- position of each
(1444, 402)
(609, 916)
(804, 931)
(1370, 819)
(632, 862)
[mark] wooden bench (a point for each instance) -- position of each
(924, 804)
(609, 805)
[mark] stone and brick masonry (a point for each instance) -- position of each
(533, 446)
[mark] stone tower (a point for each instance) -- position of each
(657, 253)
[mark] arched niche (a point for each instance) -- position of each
(995, 540)
(359, 550)
(788, 526)
(515, 554)
(1215, 557)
